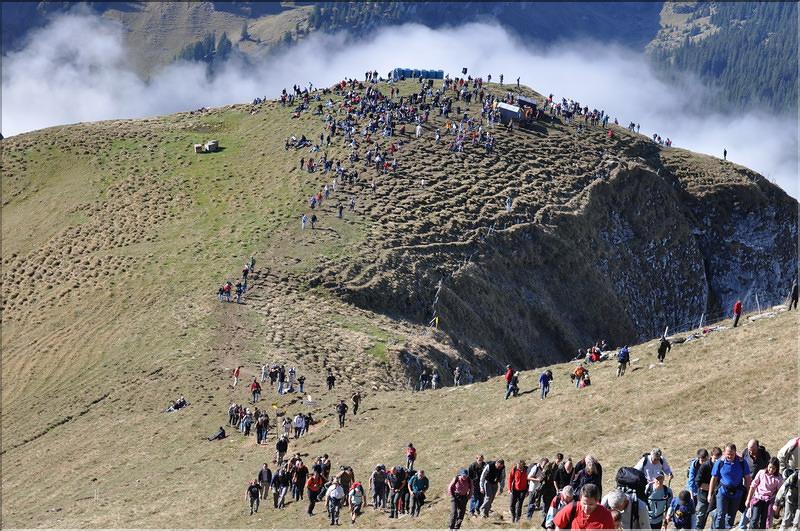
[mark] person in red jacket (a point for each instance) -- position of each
(518, 488)
(737, 312)
(255, 389)
(508, 376)
(587, 513)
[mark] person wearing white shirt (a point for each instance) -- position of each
(652, 464)
(334, 495)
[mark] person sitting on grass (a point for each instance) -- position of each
(178, 404)
(219, 435)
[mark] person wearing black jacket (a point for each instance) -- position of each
(280, 486)
(588, 470)
(563, 475)
(474, 471)
(703, 481)
(663, 347)
(219, 435)
(280, 449)
(396, 480)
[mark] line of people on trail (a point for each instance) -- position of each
(226, 291)
(570, 496)
(398, 490)
(287, 380)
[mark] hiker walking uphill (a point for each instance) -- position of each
(356, 399)
(544, 383)
(737, 313)
(789, 456)
(475, 470)
(634, 511)
(653, 463)
(491, 484)
(517, 488)
(587, 513)
(341, 411)
(334, 495)
(664, 346)
(253, 495)
(411, 456)
(623, 358)
(659, 497)
(681, 511)
(314, 486)
(703, 483)
(509, 379)
(793, 294)
(786, 501)
(255, 389)
(728, 474)
(236, 373)
(460, 489)
(762, 493)
(418, 486)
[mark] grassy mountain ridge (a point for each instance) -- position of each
(116, 235)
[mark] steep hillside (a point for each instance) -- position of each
(124, 463)
(116, 236)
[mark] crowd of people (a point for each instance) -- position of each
(228, 288)
(397, 490)
(374, 126)
(567, 495)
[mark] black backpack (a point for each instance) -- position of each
(634, 480)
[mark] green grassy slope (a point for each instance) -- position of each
(125, 464)
(115, 237)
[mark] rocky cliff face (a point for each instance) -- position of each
(664, 239)
(634, 257)
(746, 229)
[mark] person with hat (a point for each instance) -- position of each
(460, 489)
(334, 496)
(356, 498)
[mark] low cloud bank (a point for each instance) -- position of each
(76, 69)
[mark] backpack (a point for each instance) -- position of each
(682, 515)
(623, 356)
(634, 480)
(691, 472)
